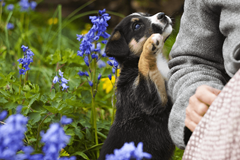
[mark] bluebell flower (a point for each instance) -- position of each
(28, 58)
(129, 151)
(86, 73)
(99, 76)
(55, 79)
(12, 135)
(33, 5)
(10, 26)
(110, 77)
(24, 48)
(86, 60)
(3, 115)
(62, 81)
(24, 5)
(64, 86)
(80, 73)
(55, 139)
(112, 62)
(104, 41)
(10, 7)
(65, 120)
(109, 63)
(90, 83)
(113, 70)
(98, 30)
(3, 4)
(101, 63)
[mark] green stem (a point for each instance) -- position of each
(25, 78)
(114, 99)
(1, 12)
(59, 26)
(6, 31)
(20, 84)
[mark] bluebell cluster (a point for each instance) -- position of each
(90, 47)
(129, 151)
(12, 135)
(25, 5)
(62, 81)
(25, 62)
(114, 64)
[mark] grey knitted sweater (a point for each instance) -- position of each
(206, 51)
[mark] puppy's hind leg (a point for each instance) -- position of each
(148, 64)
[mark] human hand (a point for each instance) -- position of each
(198, 105)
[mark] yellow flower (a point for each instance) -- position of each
(87, 28)
(52, 21)
(107, 84)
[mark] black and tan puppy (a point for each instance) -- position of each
(143, 105)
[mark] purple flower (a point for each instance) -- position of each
(86, 60)
(79, 37)
(101, 63)
(113, 70)
(55, 139)
(110, 77)
(90, 83)
(55, 79)
(129, 151)
(64, 80)
(33, 5)
(65, 120)
(110, 63)
(99, 76)
(64, 86)
(10, 7)
(10, 26)
(28, 58)
(80, 73)
(12, 135)
(3, 115)
(24, 5)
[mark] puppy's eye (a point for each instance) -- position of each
(136, 26)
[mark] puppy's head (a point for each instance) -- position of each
(131, 33)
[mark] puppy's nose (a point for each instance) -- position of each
(161, 16)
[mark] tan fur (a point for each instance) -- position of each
(134, 19)
(148, 67)
(116, 36)
(137, 47)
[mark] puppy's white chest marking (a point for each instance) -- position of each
(162, 65)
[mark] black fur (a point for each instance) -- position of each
(140, 115)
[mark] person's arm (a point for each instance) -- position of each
(196, 60)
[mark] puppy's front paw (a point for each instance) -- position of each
(154, 43)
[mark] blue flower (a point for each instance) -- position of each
(80, 73)
(79, 37)
(113, 70)
(86, 73)
(55, 79)
(63, 81)
(101, 63)
(28, 58)
(10, 7)
(65, 120)
(99, 76)
(10, 26)
(64, 86)
(24, 5)
(110, 77)
(33, 5)
(12, 135)
(90, 83)
(129, 151)
(3, 115)
(109, 63)
(55, 139)
(86, 60)
(112, 62)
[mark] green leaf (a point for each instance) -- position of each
(44, 98)
(34, 117)
(35, 97)
(88, 134)
(6, 94)
(79, 153)
(51, 109)
(3, 100)
(10, 105)
(79, 133)
(52, 95)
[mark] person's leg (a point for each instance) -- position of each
(217, 136)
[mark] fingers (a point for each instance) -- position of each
(198, 105)
(206, 94)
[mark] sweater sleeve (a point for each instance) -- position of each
(196, 60)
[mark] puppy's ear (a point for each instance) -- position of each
(117, 45)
